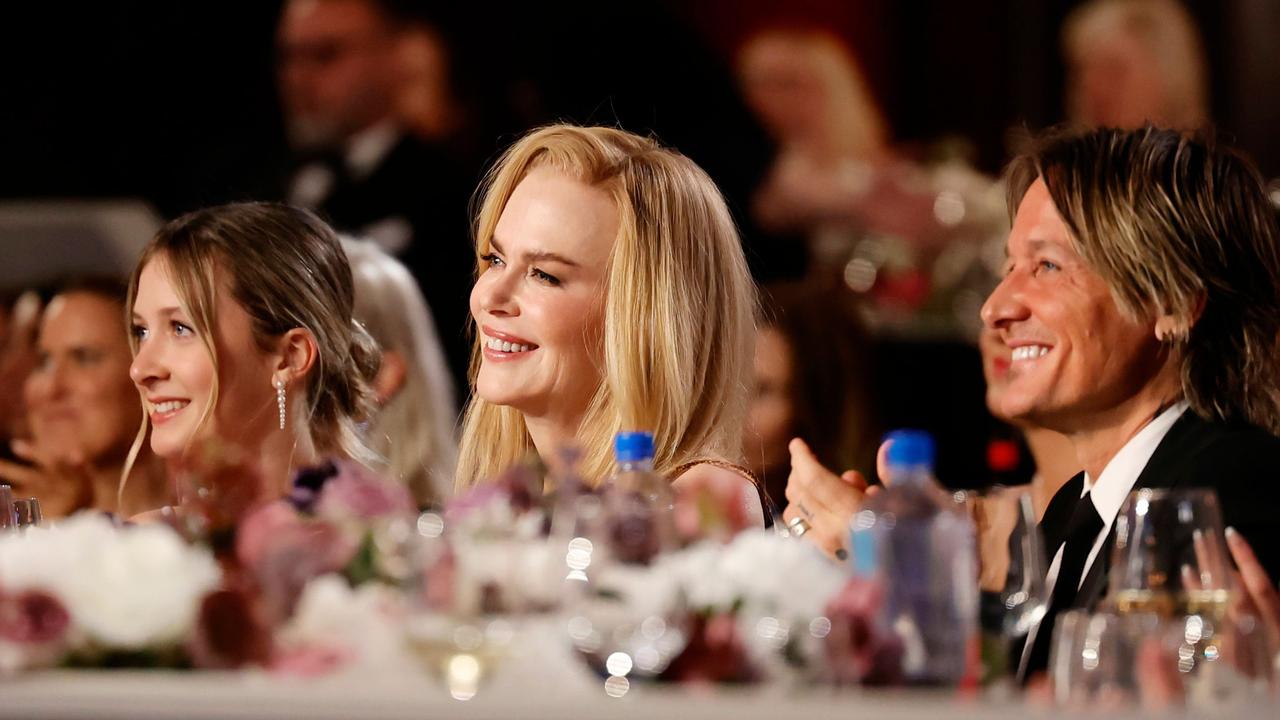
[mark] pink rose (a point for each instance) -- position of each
(356, 492)
(310, 661)
(32, 617)
(281, 550)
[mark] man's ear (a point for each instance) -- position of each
(1172, 328)
(297, 353)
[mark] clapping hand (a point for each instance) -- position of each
(59, 479)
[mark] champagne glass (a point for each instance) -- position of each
(1170, 559)
(1170, 555)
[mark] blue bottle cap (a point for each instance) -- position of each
(633, 446)
(910, 447)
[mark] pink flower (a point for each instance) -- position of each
(859, 651)
(311, 661)
(32, 617)
(357, 493)
(282, 551)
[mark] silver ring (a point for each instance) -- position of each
(799, 526)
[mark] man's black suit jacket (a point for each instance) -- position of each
(1241, 463)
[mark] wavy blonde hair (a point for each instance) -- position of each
(679, 307)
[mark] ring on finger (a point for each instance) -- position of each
(798, 526)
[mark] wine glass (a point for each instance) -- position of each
(627, 618)
(1012, 572)
(7, 518)
(1170, 559)
(26, 512)
(1170, 555)
(1096, 658)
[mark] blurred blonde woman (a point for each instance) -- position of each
(414, 424)
(1132, 62)
(612, 295)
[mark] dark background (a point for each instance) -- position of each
(175, 102)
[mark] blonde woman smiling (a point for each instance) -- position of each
(242, 333)
(612, 295)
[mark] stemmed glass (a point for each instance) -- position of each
(1012, 572)
(626, 619)
(1171, 560)
(26, 513)
(7, 518)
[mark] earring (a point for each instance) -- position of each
(280, 400)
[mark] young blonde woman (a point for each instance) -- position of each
(612, 295)
(242, 334)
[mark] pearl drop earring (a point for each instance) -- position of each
(280, 400)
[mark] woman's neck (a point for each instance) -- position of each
(279, 457)
(549, 435)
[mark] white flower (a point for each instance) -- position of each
(127, 588)
(366, 620)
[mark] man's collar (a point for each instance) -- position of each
(1110, 489)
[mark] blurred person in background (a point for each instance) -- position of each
(912, 239)
(1131, 62)
(413, 427)
(82, 410)
(19, 326)
(342, 70)
(811, 380)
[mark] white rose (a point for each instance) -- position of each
(126, 588)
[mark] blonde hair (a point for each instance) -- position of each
(679, 307)
(1165, 30)
(414, 430)
(854, 124)
(1177, 225)
(287, 270)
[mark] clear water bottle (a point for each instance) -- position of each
(919, 543)
(639, 507)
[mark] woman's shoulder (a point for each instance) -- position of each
(720, 478)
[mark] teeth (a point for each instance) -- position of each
(1029, 352)
(170, 406)
(506, 347)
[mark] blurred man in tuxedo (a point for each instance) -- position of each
(339, 73)
(1141, 301)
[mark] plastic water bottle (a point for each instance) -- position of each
(919, 543)
(639, 506)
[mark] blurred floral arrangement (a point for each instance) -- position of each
(336, 574)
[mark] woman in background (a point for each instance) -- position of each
(812, 381)
(613, 295)
(82, 410)
(413, 428)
